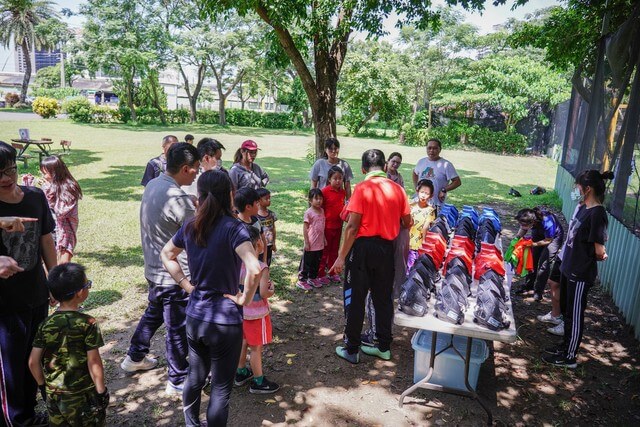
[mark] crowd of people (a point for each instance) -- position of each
(208, 239)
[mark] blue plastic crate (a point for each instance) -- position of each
(448, 369)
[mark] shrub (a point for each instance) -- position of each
(59, 93)
(277, 121)
(247, 118)
(125, 113)
(179, 116)
(22, 105)
(207, 116)
(45, 107)
(104, 114)
(78, 109)
(480, 137)
(11, 99)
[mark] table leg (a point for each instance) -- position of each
(419, 384)
(424, 383)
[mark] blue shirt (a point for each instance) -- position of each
(215, 270)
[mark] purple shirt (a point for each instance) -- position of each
(215, 269)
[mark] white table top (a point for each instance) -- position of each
(468, 328)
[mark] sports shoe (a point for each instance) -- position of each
(537, 297)
(560, 360)
(316, 283)
(302, 284)
(324, 280)
(555, 350)
(375, 352)
(343, 353)
(173, 390)
(550, 318)
(367, 340)
(265, 388)
(557, 330)
(336, 279)
(242, 379)
(145, 364)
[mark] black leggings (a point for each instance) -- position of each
(213, 348)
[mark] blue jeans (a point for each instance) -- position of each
(167, 304)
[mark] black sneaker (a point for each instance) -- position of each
(242, 379)
(555, 350)
(537, 297)
(560, 360)
(265, 388)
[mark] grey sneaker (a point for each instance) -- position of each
(344, 354)
(173, 389)
(550, 318)
(557, 330)
(145, 364)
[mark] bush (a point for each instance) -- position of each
(11, 99)
(179, 116)
(78, 109)
(45, 107)
(207, 116)
(450, 135)
(248, 118)
(124, 113)
(57, 93)
(277, 121)
(22, 105)
(104, 114)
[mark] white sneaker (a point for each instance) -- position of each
(173, 389)
(145, 364)
(550, 318)
(557, 330)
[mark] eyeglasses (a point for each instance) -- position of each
(86, 286)
(9, 172)
(333, 149)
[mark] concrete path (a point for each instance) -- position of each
(12, 117)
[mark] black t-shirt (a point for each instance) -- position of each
(27, 289)
(588, 226)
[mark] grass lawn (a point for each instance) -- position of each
(108, 161)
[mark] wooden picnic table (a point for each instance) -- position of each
(43, 145)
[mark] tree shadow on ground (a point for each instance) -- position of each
(101, 298)
(118, 183)
(76, 157)
(115, 256)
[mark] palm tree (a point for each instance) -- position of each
(18, 21)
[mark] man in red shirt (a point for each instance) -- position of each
(376, 209)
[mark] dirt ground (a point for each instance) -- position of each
(319, 389)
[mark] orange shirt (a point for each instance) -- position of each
(382, 203)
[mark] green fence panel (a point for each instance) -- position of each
(620, 274)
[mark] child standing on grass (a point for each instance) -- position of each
(314, 242)
(65, 360)
(334, 196)
(423, 214)
(63, 193)
(268, 220)
(256, 328)
(246, 200)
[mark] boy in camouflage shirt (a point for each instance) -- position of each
(65, 360)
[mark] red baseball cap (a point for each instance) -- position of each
(249, 145)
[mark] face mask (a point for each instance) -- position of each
(576, 195)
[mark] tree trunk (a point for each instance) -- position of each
(221, 108)
(154, 82)
(130, 103)
(27, 72)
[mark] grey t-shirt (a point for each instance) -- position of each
(242, 177)
(164, 208)
(320, 170)
(440, 172)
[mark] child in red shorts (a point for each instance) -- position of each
(256, 328)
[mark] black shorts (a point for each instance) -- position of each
(555, 274)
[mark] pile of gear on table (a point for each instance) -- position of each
(460, 261)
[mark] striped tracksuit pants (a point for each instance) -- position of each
(573, 301)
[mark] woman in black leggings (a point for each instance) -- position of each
(216, 244)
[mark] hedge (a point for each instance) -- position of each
(476, 136)
(83, 111)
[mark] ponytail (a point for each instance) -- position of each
(214, 202)
(237, 157)
(594, 179)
